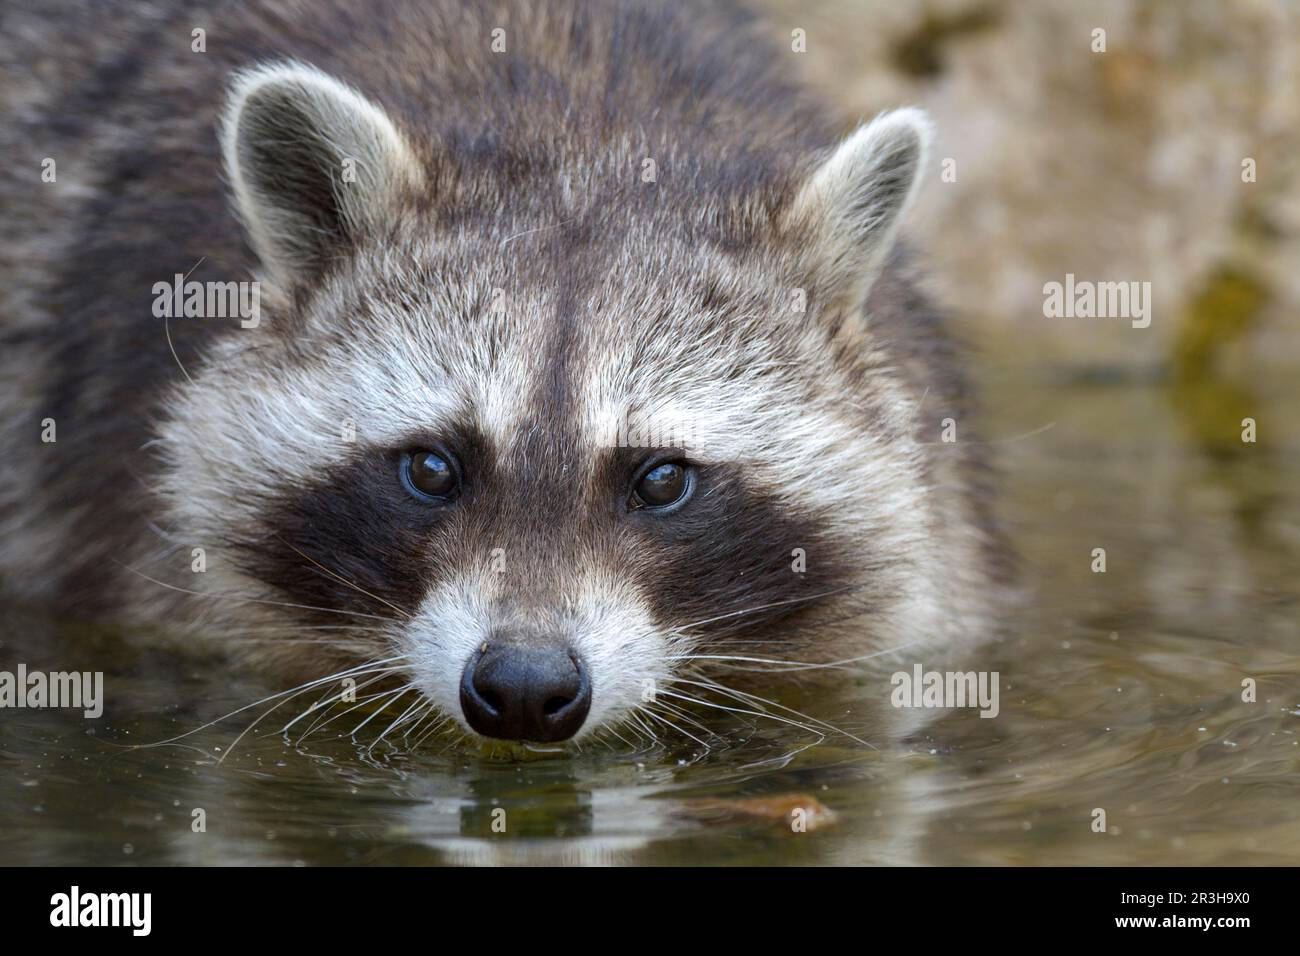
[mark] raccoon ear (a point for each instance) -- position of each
(850, 207)
(314, 166)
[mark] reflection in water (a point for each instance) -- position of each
(1119, 691)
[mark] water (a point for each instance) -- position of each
(1120, 691)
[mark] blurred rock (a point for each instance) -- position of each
(1123, 165)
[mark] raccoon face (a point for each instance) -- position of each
(542, 457)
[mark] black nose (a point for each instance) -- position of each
(523, 693)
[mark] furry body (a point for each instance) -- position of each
(510, 284)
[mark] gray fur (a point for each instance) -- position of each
(501, 267)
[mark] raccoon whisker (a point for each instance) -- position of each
(647, 722)
(343, 648)
(163, 534)
(414, 723)
(345, 642)
(437, 725)
(752, 713)
(291, 694)
(636, 716)
(745, 641)
(784, 665)
(276, 707)
(682, 714)
(663, 708)
(789, 665)
(529, 232)
(250, 600)
(413, 715)
(277, 628)
(428, 711)
(638, 741)
(792, 638)
(168, 332)
(638, 726)
(167, 325)
(351, 636)
(664, 720)
(419, 717)
(641, 713)
(356, 643)
(764, 607)
(781, 761)
(294, 691)
(308, 607)
(413, 746)
(611, 730)
(920, 402)
(390, 698)
(631, 718)
(761, 702)
(758, 703)
(348, 648)
(340, 695)
(324, 719)
(404, 616)
(396, 723)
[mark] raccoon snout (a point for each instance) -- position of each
(523, 693)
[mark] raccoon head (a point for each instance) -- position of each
(542, 438)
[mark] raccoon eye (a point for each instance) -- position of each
(662, 485)
(430, 475)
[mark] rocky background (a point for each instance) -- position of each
(1122, 165)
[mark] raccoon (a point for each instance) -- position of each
(585, 353)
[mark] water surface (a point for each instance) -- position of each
(1120, 691)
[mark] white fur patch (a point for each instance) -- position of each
(602, 619)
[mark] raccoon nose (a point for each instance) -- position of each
(524, 693)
